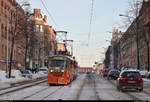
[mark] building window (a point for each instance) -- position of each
(37, 28)
(41, 28)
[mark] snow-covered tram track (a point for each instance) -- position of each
(20, 87)
(39, 91)
(53, 92)
(16, 84)
(90, 82)
(80, 89)
(97, 97)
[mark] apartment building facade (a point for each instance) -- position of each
(46, 44)
(10, 11)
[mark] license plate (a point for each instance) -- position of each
(131, 81)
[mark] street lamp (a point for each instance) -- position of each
(125, 16)
(137, 38)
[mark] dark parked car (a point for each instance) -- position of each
(27, 73)
(113, 74)
(130, 79)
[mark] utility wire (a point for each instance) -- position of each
(50, 14)
(91, 18)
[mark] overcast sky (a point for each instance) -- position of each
(74, 16)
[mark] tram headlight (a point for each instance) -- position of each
(51, 70)
(62, 70)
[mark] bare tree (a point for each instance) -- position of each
(132, 12)
(132, 18)
(18, 30)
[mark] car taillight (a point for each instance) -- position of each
(139, 79)
(122, 78)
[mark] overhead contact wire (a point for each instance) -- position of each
(50, 14)
(91, 18)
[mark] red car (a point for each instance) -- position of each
(130, 79)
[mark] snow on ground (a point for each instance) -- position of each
(145, 79)
(17, 77)
(19, 95)
(15, 73)
(68, 92)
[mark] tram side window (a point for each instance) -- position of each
(67, 64)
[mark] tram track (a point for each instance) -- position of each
(18, 88)
(12, 85)
(80, 89)
(93, 82)
(35, 93)
(43, 90)
(53, 92)
(95, 91)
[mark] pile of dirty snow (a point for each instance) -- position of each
(2, 75)
(16, 76)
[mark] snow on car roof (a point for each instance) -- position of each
(130, 70)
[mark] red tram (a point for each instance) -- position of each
(62, 69)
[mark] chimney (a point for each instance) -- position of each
(37, 13)
(45, 18)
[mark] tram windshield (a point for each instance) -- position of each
(57, 64)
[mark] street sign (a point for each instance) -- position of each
(6, 60)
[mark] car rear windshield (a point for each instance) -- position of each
(131, 74)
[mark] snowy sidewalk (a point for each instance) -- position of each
(145, 79)
(5, 82)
